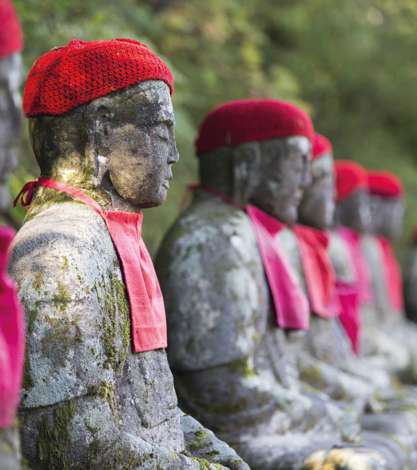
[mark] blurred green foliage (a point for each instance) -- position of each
(351, 63)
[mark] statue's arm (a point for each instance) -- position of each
(201, 442)
(338, 385)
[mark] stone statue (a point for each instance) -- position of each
(328, 341)
(387, 210)
(11, 321)
(410, 283)
(98, 391)
(234, 369)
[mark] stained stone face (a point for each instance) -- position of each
(354, 211)
(88, 401)
(387, 216)
(234, 369)
(317, 206)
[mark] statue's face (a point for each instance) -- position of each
(387, 216)
(141, 146)
(318, 204)
(10, 120)
(354, 211)
(284, 173)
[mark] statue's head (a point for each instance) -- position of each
(387, 204)
(318, 204)
(258, 152)
(10, 76)
(352, 208)
(101, 118)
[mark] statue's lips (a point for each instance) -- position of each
(165, 184)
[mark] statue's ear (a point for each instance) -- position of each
(246, 163)
(99, 118)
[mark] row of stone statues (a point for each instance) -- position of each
(276, 293)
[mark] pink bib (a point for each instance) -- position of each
(147, 311)
(291, 305)
(12, 337)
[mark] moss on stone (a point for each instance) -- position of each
(204, 464)
(60, 338)
(61, 297)
(199, 441)
(65, 263)
(54, 436)
(313, 376)
(243, 367)
(38, 281)
(116, 325)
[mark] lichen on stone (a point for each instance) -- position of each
(243, 367)
(61, 297)
(54, 436)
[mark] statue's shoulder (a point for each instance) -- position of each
(210, 224)
(64, 263)
(63, 231)
(340, 258)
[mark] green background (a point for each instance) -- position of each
(350, 63)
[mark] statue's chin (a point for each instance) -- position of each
(5, 199)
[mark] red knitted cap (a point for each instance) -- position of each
(11, 38)
(240, 121)
(383, 183)
(350, 176)
(69, 76)
(321, 146)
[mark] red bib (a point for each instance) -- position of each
(318, 270)
(147, 311)
(12, 337)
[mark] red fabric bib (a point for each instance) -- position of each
(392, 272)
(363, 277)
(350, 318)
(147, 311)
(291, 305)
(318, 270)
(12, 337)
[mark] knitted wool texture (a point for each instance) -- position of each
(79, 72)
(11, 38)
(321, 146)
(240, 121)
(385, 184)
(350, 176)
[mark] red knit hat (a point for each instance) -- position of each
(11, 38)
(69, 76)
(350, 176)
(383, 183)
(240, 121)
(321, 146)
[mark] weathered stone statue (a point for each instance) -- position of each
(410, 282)
(98, 392)
(387, 209)
(328, 342)
(11, 320)
(230, 346)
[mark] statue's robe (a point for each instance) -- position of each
(88, 401)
